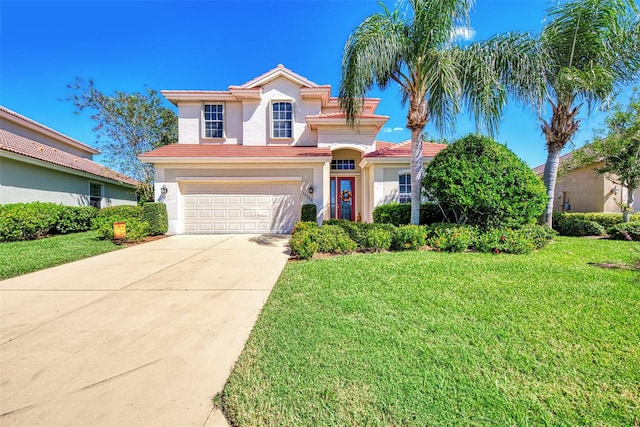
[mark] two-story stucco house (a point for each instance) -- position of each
(249, 157)
(38, 163)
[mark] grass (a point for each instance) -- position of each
(17, 258)
(426, 338)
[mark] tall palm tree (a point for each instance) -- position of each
(593, 47)
(417, 50)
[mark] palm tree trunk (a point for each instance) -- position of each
(417, 173)
(549, 178)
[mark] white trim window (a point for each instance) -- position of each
(95, 195)
(214, 121)
(404, 188)
(282, 119)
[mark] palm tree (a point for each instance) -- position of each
(437, 77)
(592, 46)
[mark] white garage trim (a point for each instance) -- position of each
(238, 179)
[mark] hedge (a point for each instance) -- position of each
(28, 221)
(155, 214)
(626, 231)
(606, 220)
(400, 214)
(309, 212)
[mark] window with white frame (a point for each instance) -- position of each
(214, 121)
(343, 164)
(404, 188)
(282, 119)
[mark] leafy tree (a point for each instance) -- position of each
(127, 125)
(618, 148)
(484, 183)
(591, 48)
(419, 51)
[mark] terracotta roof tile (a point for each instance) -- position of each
(233, 150)
(403, 149)
(18, 144)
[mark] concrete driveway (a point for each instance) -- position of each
(144, 336)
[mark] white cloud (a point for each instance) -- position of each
(463, 33)
(392, 130)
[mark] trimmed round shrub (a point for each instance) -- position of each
(333, 239)
(302, 245)
(503, 241)
(155, 214)
(74, 219)
(576, 226)
(409, 237)
(378, 239)
(540, 235)
(27, 221)
(136, 229)
(309, 212)
(626, 231)
(483, 183)
(450, 238)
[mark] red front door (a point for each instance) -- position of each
(343, 198)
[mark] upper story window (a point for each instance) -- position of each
(343, 164)
(282, 119)
(404, 188)
(214, 121)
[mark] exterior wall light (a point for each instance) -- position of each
(164, 190)
(310, 189)
(614, 190)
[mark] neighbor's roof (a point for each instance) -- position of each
(233, 151)
(18, 144)
(403, 149)
(539, 170)
(23, 121)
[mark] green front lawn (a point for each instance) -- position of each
(426, 338)
(18, 258)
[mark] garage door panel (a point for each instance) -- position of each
(240, 207)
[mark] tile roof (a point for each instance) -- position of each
(403, 149)
(24, 120)
(235, 151)
(18, 144)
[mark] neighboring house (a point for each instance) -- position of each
(585, 190)
(249, 157)
(38, 163)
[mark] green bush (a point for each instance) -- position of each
(358, 231)
(450, 238)
(136, 229)
(409, 237)
(302, 245)
(74, 219)
(378, 239)
(626, 231)
(304, 225)
(155, 214)
(333, 239)
(576, 226)
(607, 220)
(27, 221)
(309, 212)
(503, 241)
(485, 184)
(400, 214)
(540, 235)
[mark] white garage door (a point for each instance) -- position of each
(247, 207)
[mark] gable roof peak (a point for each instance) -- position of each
(279, 71)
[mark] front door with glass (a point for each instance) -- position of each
(343, 198)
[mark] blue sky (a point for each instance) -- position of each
(209, 45)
